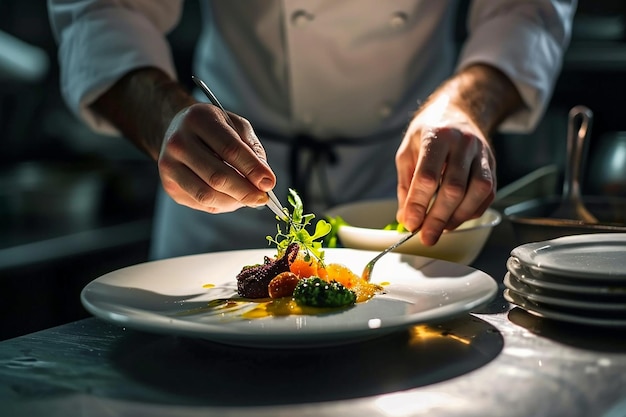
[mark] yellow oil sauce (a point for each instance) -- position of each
(267, 307)
(261, 308)
(284, 307)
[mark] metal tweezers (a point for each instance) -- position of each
(273, 203)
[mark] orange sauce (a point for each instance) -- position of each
(364, 290)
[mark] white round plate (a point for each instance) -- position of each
(590, 256)
(559, 283)
(555, 314)
(562, 299)
(170, 296)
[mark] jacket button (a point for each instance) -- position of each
(307, 119)
(384, 111)
(300, 18)
(398, 20)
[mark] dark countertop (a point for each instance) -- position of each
(496, 361)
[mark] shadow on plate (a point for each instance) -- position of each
(198, 372)
(596, 338)
(137, 298)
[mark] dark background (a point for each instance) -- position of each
(75, 205)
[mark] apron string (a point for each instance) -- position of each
(320, 150)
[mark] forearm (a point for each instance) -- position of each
(141, 105)
(481, 92)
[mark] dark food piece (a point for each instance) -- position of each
(252, 281)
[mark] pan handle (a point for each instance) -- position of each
(578, 130)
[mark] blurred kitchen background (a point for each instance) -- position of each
(75, 205)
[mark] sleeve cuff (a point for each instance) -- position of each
(528, 55)
(99, 49)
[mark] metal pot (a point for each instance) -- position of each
(542, 218)
(532, 222)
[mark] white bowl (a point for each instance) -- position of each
(366, 220)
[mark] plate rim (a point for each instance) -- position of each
(540, 311)
(576, 286)
(525, 254)
(608, 307)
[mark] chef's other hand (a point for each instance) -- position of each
(446, 173)
(446, 168)
(208, 166)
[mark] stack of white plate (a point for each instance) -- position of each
(578, 279)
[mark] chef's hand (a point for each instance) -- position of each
(446, 168)
(208, 166)
(202, 161)
(446, 159)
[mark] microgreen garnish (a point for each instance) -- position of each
(296, 231)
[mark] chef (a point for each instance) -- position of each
(341, 100)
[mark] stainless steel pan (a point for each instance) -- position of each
(532, 222)
(545, 218)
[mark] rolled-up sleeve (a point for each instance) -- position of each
(100, 41)
(526, 40)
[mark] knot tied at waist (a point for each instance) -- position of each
(300, 169)
(309, 155)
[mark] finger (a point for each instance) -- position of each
(187, 189)
(480, 194)
(405, 167)
(453, 187)
(425, 180)
(230, 147)
(218, 176)
(248, 135)
(445, 204)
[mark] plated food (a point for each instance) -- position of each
(298, 280)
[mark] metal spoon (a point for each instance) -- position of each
(572, 206)
(367, 271)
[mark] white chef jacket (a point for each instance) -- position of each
(317, 70)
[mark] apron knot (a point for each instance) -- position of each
(307, 154)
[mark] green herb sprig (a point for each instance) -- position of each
(296, 231)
